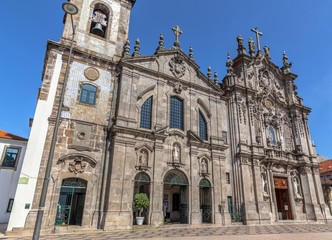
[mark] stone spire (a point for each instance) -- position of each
(241, 50)
(161, 43)
(209, 73)
(191, 53)
(251, 46)
(126, 48)
(229, 65)
(286, 65)
(137, 48)
(215, 79)
(267, 52)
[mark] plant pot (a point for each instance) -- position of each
(139, 220)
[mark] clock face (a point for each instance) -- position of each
(268, 103)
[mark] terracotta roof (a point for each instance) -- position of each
(4, 134)
(325, 166)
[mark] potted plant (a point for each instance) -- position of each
(141, 202)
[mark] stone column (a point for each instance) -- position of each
(250, 208)
(157, 189)
(311, 205)
(262, 210)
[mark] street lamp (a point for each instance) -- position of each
(70, 9)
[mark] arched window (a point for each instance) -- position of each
(99, 20)
(146, 113)
(176, 113)
(88, 94)
(202, 127)
(271, 135)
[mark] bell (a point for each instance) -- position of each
(98, 30)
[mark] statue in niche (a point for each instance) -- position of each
(143, 158)
(296, 186)
(204, 167)
(176, 153)
(264, 183)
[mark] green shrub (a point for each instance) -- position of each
(141, 202)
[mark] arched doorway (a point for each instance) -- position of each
(142, 185)
(205, 200)
(175, 197)
(71, 202)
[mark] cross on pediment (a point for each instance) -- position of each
(258, 33)
(177, 32)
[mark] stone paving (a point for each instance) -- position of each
(284, 232)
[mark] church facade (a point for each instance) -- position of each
(203, 150)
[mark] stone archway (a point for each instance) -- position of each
(175, 197)
(142, 185)
(71, 202)
(205, 200)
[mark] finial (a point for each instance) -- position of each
(126, 48)
(267, 52)
(251, 45)
(177, 32)
(240, 47)
(286, 65)
(229, 65)
(216, 80)
(209, 73)
(137, 48)
(161, 42)
(191, 53)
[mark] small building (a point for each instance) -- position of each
(12, 150)
(325, 170)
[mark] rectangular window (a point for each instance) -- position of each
(176, 113)
(88, 94)
(146, 114)
(224, 136)
(10, 157)
(228, 180)
(10, 205)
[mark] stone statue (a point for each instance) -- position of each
(264, 183)
(267, 52)
(143, 158)
(176, 153)
(251, 47)
(204, 166)
(296, 187)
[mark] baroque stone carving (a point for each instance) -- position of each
(204, 166)
(176, 153)
(143, 158)
(177, 66)
(77, 166)
(178, 87)
(91, 73)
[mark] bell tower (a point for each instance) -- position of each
(101, 26)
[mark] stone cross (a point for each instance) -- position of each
(258, 33)
(177, 32)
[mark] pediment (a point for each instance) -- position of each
(174, 65)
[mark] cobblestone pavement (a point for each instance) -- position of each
(284, 232)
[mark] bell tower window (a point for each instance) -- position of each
(99, 20)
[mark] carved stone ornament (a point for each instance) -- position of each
(244, 161)
(77, 166)
(178, 87)
(268, 103)
(177, 66)
(91, 73)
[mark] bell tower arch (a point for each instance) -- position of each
(101, 26)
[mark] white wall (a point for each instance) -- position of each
(9, 177)
(25, 192)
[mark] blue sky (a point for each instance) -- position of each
(302, 28)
